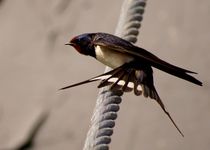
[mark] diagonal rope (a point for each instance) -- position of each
(107, 103)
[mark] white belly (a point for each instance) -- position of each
(110, 57)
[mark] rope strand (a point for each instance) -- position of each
(107, 103)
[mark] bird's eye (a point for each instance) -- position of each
(84, 41)
(78, 40)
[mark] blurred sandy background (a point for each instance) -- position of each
(35, 63)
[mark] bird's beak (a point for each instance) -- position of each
(69, 44)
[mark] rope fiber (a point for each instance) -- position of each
(107, 103)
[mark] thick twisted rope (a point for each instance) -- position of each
(107, 104)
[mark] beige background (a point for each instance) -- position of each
(35, 63)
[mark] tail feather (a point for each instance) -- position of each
(112, 73)
(118, 79)
(127, 79)
(154, 95)
(130, 77)
(104, 77)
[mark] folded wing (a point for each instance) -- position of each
(118, 44)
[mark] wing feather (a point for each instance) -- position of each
(118, 44)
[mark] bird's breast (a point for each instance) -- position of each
(111, 58)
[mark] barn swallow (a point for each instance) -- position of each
(132, 66)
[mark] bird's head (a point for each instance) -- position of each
(83, 44)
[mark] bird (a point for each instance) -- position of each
(132, 66)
